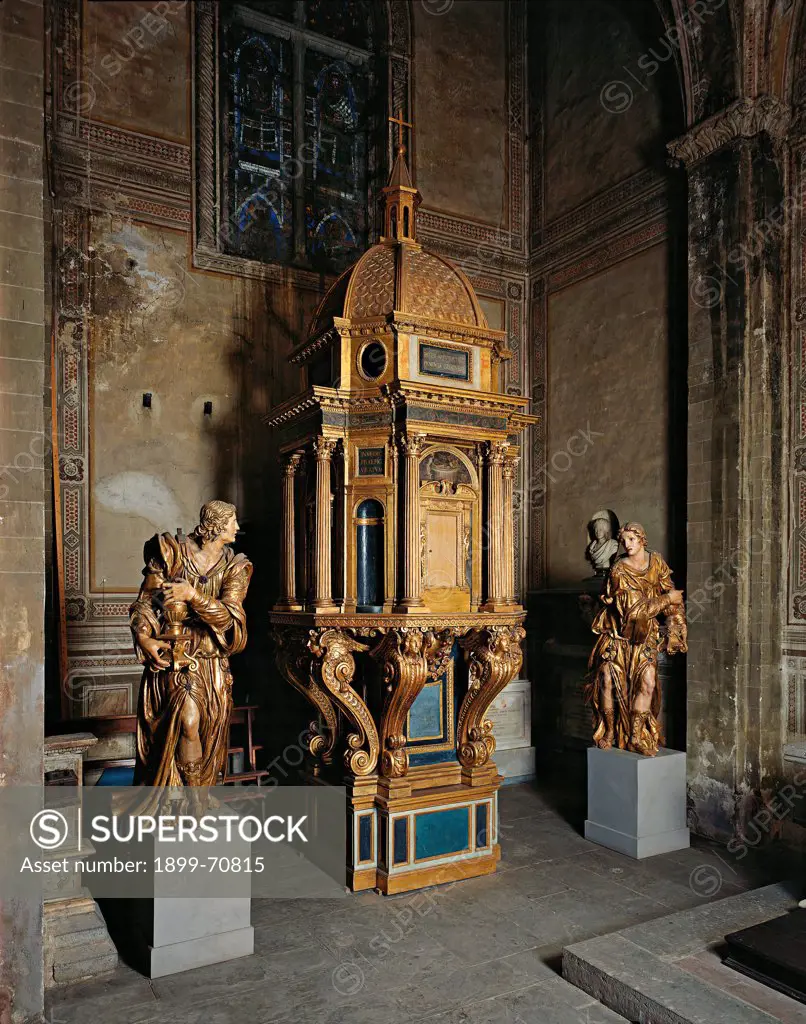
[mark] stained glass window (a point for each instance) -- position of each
(258, 190)
(349, 21)
(297, 130)
(336, 174)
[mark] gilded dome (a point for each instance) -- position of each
(429, 285)
(398, 275)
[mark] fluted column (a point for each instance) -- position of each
(510, 466)
(322, 568)
(288, 596)
(496, 568)
(411, 599)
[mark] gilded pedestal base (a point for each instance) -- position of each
(411, 824)
(429, 836)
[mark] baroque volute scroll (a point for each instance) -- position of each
(404, 654)
(410, 656)
(295, 661)
(334, 665)
(494, 658)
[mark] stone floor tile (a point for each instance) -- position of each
(481, 951)
(474, 933)
(125, 993)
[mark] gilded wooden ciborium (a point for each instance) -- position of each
(398, 618)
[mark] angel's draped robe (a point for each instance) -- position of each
(628, 641)
(218, 626)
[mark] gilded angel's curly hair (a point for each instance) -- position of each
(213, 517)
(635, 528)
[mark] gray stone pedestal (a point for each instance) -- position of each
(636, 804)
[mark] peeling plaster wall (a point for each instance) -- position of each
(160, 329)
(185, 337)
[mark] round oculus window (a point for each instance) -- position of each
(372, 360)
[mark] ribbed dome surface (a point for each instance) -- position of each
(431, 287)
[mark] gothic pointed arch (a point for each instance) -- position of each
(705, 38)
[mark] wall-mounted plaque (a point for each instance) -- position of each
(442, 361)
(371, 462)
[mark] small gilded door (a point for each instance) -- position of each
(445, 538)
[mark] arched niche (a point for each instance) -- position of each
(448, 467)
(369, 520)
(450, 522)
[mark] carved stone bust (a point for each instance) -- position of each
(603, 545)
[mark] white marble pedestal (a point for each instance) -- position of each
(636, 804)
(195, 918)
(184, 933)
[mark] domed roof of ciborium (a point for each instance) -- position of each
(428, 286)
(400, 276)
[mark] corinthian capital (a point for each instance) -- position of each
(293, 463)
(411, 444)
(741, 120)
(496, 452)
(510, 466)
(324, 447)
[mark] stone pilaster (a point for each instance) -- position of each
(24, 451)
(288, 598)
(323, 447)
(411, 599)
(737, 397)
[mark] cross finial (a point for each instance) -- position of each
(401, 124)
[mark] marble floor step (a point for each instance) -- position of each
(76, 929)
(670, 970)
(77, 944)
(90, 950)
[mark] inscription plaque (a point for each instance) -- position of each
(444, 362)
(371, 462)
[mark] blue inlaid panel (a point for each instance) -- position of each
(401, 840)
(433, 757)
(437, 833)
(482, 838)
(425, 716)
(365, 837)
(430, 729)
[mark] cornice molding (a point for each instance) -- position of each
(401, 394)
(741, 120)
